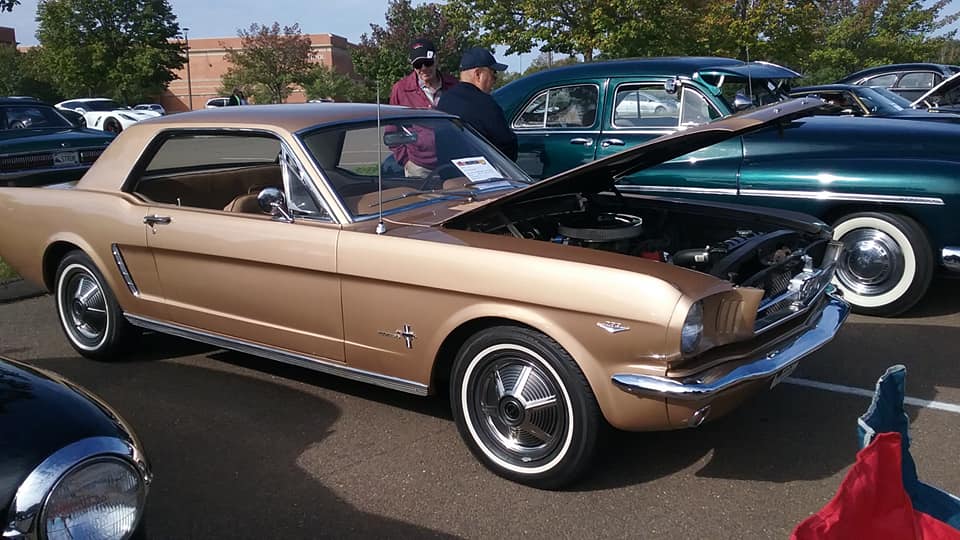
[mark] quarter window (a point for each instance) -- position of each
(881, 80)
(563, 107)
(696, 110)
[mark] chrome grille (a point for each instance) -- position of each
(44, 160)
(789, 293)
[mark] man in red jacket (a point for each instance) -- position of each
(422, 89)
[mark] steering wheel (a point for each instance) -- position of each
(435, 179)
(19, 124)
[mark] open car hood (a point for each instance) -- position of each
(601, 175)
(753, 70)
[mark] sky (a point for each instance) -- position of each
(207, 18)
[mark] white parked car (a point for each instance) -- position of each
(106, 114)
(213, 103)
(156, 107)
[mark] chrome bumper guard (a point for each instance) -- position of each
(778, 361)
(951, 258)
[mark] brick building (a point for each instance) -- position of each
(208, 63)
(7, 36)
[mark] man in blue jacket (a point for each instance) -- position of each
(471, 100)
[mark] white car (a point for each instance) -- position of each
(150, 107)
(213, 103)
(106, 114)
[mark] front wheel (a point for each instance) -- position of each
(523, 407)
(886, 265)
(89, 313)
(112, 125)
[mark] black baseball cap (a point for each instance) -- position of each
(422, 48)
(479, 57)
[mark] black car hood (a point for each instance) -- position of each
(39, 414)
(602, 174)
(14, 141)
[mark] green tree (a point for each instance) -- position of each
(323, 82)
(269, 62)
(10, 66)
(124, 49)
(382, 55)
(876, 32)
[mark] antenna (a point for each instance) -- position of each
(381, 227)
(746, 49)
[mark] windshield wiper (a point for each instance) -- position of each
(454, 191)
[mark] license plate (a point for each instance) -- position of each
(61, 159)
(779, 377)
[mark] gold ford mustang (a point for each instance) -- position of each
(546, 310)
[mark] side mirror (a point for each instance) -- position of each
(671, 85)
(741, 102)
(271, 201)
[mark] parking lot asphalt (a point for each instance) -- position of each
(244, 448)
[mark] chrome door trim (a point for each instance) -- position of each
(626, 188)
(124, 271)
(309, 362)
(849, 197)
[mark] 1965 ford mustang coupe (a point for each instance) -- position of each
(545, 309)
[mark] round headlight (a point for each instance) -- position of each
(692, 329)
(102, 498)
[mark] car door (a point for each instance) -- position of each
(557, 128)
(234, 271)
(710, 173)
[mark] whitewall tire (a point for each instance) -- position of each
(88, 311)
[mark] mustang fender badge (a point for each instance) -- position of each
(613, 326)
(406, 335)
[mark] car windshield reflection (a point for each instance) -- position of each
(421, 161)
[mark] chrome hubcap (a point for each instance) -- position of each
(872, 262)
(85, 307)
(521, 411)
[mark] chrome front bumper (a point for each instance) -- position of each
(951, 258)
(775, 362)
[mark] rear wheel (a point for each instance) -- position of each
(112, 125)
(523, 407)
(88, 310)
(886, 265)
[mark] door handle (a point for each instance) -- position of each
(156, 220)
(611, 142)
(582, 140)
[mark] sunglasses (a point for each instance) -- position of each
(422, 63)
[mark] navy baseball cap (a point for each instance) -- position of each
(422, 48)
(479, 57)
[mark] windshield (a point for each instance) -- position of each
(31, 117)
(422, 161)
(758, 91)
(896, 98)
(101, 105)
(879, 103)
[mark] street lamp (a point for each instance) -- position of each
(186, 38)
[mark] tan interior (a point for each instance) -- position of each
(231, 190)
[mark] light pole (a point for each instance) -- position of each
(186, 38)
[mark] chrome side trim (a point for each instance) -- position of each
(23, 518)
(768, 365)
(847, 197)
(951, 258)
(124, 271)
(677, 189)
(278, 355)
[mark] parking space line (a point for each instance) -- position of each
(917, 402)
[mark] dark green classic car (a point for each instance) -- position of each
(39, 146)
(890, 188)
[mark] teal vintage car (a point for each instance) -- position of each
(890, 188)
(39, 146)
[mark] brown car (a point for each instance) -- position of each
(547, 310)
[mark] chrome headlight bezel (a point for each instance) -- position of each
(30, 501)
(691, 334)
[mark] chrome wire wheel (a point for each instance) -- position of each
(83, 307)
(517, 410)
(872, 262)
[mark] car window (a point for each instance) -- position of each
(638, 105)
(418, 161)
(881, 80)
(572, 106)
(220, 171)
(695, 109)
(30, 117)
(917, 80)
